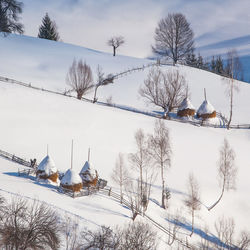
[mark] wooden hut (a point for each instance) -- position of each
(206, 110)
(89, 176)
(186, 108)
(47, 170)
(71, 181)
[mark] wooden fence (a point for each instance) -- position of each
(132, 109)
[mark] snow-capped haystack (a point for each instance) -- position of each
(186, 108)
(47, 170)
(89, 175)
(206, 110)
(71, 181)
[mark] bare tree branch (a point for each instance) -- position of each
(115, 42)
(80, 78)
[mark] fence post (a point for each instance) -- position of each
(109, 191)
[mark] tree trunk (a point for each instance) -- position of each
(94, 100)
(223, 188)
(192, 223)
(163, 189)
(114, 50)
(231, 106)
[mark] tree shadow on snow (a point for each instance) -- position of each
(205, 235)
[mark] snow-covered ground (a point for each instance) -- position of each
(31, 119)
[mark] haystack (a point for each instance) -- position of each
(89, 176)
(47, 170)
(206, 110)
(71, 181)
(186, 108)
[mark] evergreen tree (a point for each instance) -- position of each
(219, 65)
(200, 63)
(9, 11)
(191, 60)
(213, 65)
(48, 29)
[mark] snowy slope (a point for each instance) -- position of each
(31, 119)
(45, 64)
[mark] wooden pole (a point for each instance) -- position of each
(89, 155)
(205, 94)
(72, 154)
(47, 149)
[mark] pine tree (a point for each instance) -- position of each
(219, 65)
(9, 16)
(213, 65)
(48, 29)
(200, 62)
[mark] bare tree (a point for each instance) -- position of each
(102, 239)
(115, 42)
(225, 231)
(102, 81)
(140, 160)
(226, 170)
(134, 196)
(120, 174)
(71, 231)
(160, 150)
(244, 241)
(166, 90)
(32, 226)
(174, 37)
(80, 78)
(139, 236)
(173, 227)
(233, 71)
(193, 200)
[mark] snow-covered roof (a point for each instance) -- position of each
(87, 169)
(47, 165)
(205, 108)
(186, 104)
(71, 178)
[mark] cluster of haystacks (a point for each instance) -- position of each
(71, 181)
(89, 176)
(47, 170)
(206, 111)
(186, 109)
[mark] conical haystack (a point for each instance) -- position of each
(89, 176)
(71, 181)
(206, 110)
(47, 170)
(186, 108)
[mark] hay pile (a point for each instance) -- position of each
(206, 110)
(89, 176)
(47, 170)
(71, 181)
(186, 108)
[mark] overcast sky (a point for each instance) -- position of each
(90, 23)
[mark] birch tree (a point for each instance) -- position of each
(120, 174)
(193, 200)
(161, 152)
(226, 170)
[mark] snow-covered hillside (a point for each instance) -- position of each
(31, 119)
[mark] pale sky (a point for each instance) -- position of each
(90, 23)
